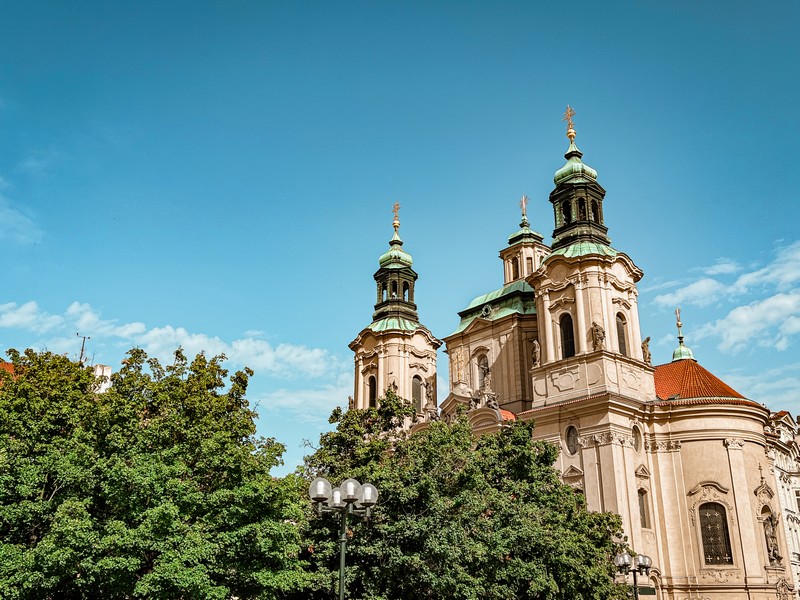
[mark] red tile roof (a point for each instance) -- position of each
(7, 366)
(507, 415)
(687, 379)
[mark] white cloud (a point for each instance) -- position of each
(702, 292)
(723, 266)
(17, 227)
(777, 388)
(783, 272)
(284, 360)
(768, 322)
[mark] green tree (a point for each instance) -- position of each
(458, 517)
(158, 488)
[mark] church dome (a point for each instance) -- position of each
(395, 257)
(575, 169)
(682, 352)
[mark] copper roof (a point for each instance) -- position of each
(687, 379)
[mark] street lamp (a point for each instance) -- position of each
(639, 563)
(350, 498)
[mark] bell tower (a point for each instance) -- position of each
(586, 297)
(395, 351)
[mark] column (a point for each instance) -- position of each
(580, 321)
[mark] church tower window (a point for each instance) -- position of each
(529, 265)
(416, 392)
(581, 209)
(567, 336)
(372, 391)
(623, 346)
(566, 210)
(644, 513)
(515, 267)
(405, 291)
(714, 533)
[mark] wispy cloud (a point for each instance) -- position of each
(723, 266)
(700, 293)
(16, 226)
(283, 360)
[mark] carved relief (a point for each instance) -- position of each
(621, 302)
(663, 446)
(720, 575)
(594, 374)
(642, 472)
(734, 443)
(782, 589)
(557, 304)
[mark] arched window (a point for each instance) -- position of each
(637, 438)
(383, 292)
(416, 392)
(572, 439)
(566, 210)
(394, 289)
(515, 267)
(405, 291)
(714, 533)
(372, 391)
(483, 369)
(529, 265)
(567, 336)
(644, 511)
(623, 346)
(595, 214)
(581, 209)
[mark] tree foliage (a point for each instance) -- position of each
(158, 488)
(458, 517)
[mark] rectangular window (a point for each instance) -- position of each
(529, 265)
(644, 514)
(797, 498)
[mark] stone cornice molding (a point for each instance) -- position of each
(663, 445)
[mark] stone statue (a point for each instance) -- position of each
(474, 403)
(351, 404)
(598, 336)
(770, 533)
(491, 401)
(646, 350)
(536, 352)
(430, 390)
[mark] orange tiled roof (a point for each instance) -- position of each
(507, 415)
(687, 379)
(7, 366)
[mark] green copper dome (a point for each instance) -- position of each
(396, 257)
(682, 352)
(574, 170)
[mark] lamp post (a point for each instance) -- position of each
(639, 563)
(350, 498)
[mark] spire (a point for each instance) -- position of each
(525, 233)
(396, 256)
(577, 199)
(681, 352)
(395, 279)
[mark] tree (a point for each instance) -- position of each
(459, 517)
(158, 488)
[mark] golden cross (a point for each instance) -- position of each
(568, 114)
(396, 211)
(523, 204)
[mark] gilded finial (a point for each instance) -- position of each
(396, 211)
(678, 320)
(568, 114)
(523, 204)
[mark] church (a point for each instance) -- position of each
(707, 482)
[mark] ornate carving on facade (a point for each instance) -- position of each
(734, 443)
(710, 491)
(536, 353)
(782, 589)
(720, 575)
(771, 537)
(605, 438)
(663, 446)
(557, 304)
(621, 302)
(642, 472)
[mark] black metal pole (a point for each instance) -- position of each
(342, 549)
(635, 587)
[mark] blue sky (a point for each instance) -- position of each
(220, 175)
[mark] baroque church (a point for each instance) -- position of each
(707, 482)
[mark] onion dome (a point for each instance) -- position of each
(682, 352)
(395, 257)
(574, 170)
